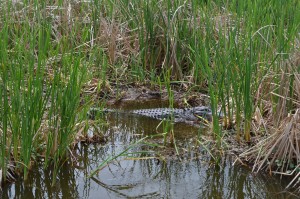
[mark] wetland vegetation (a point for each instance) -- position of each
(60, 58)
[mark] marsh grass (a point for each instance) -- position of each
(55, 55)
(41, 83)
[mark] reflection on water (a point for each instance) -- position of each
(148, 178)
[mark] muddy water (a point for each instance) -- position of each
(189, 175)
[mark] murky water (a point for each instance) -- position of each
(190, 175)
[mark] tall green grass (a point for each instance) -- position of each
(50, 51)
(5, 150)
(41, 83)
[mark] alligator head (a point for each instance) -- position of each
(202, 112)
(194, 114)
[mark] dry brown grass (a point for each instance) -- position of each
(279, 153)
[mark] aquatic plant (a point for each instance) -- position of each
(41, 84)
(55, 55)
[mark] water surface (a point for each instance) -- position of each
(192, 174)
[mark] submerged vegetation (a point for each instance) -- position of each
(58, 58)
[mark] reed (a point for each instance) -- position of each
(5, 151)
(40, 86)
(51, 51)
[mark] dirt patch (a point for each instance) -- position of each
(117, 94)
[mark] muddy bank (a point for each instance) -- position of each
(114, 95)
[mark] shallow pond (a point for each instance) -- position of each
(189, 175)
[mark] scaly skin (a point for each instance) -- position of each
(179, 115)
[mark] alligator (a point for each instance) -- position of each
(175, 114)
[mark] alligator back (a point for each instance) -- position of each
(159, 113)
(179, 115)
(176, 114)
